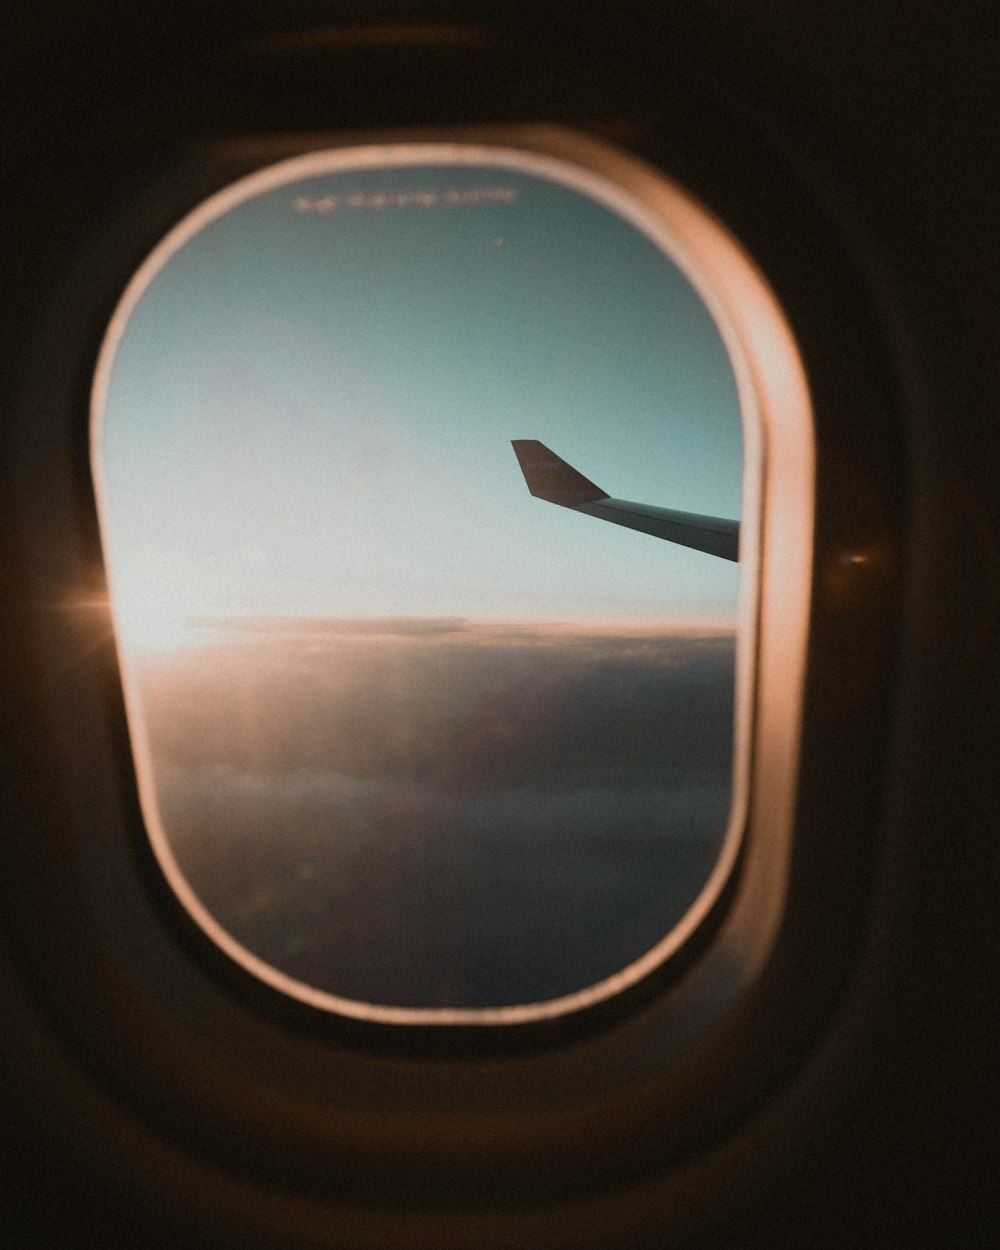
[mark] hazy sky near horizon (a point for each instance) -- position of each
(311, 407)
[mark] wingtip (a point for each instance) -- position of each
(549, 477)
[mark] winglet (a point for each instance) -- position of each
(550, 478)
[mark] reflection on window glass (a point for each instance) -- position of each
(410, 739)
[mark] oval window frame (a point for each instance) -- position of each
(778, 467)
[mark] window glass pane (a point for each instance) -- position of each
(409, 739)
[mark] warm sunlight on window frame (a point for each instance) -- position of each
(776, 541)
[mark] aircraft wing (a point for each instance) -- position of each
(551, 478)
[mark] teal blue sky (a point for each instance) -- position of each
(311, 407)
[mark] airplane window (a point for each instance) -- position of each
(420, 735)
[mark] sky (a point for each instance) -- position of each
(310, 408)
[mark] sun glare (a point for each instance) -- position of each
(148, 620)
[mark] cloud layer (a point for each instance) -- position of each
(444, 812)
